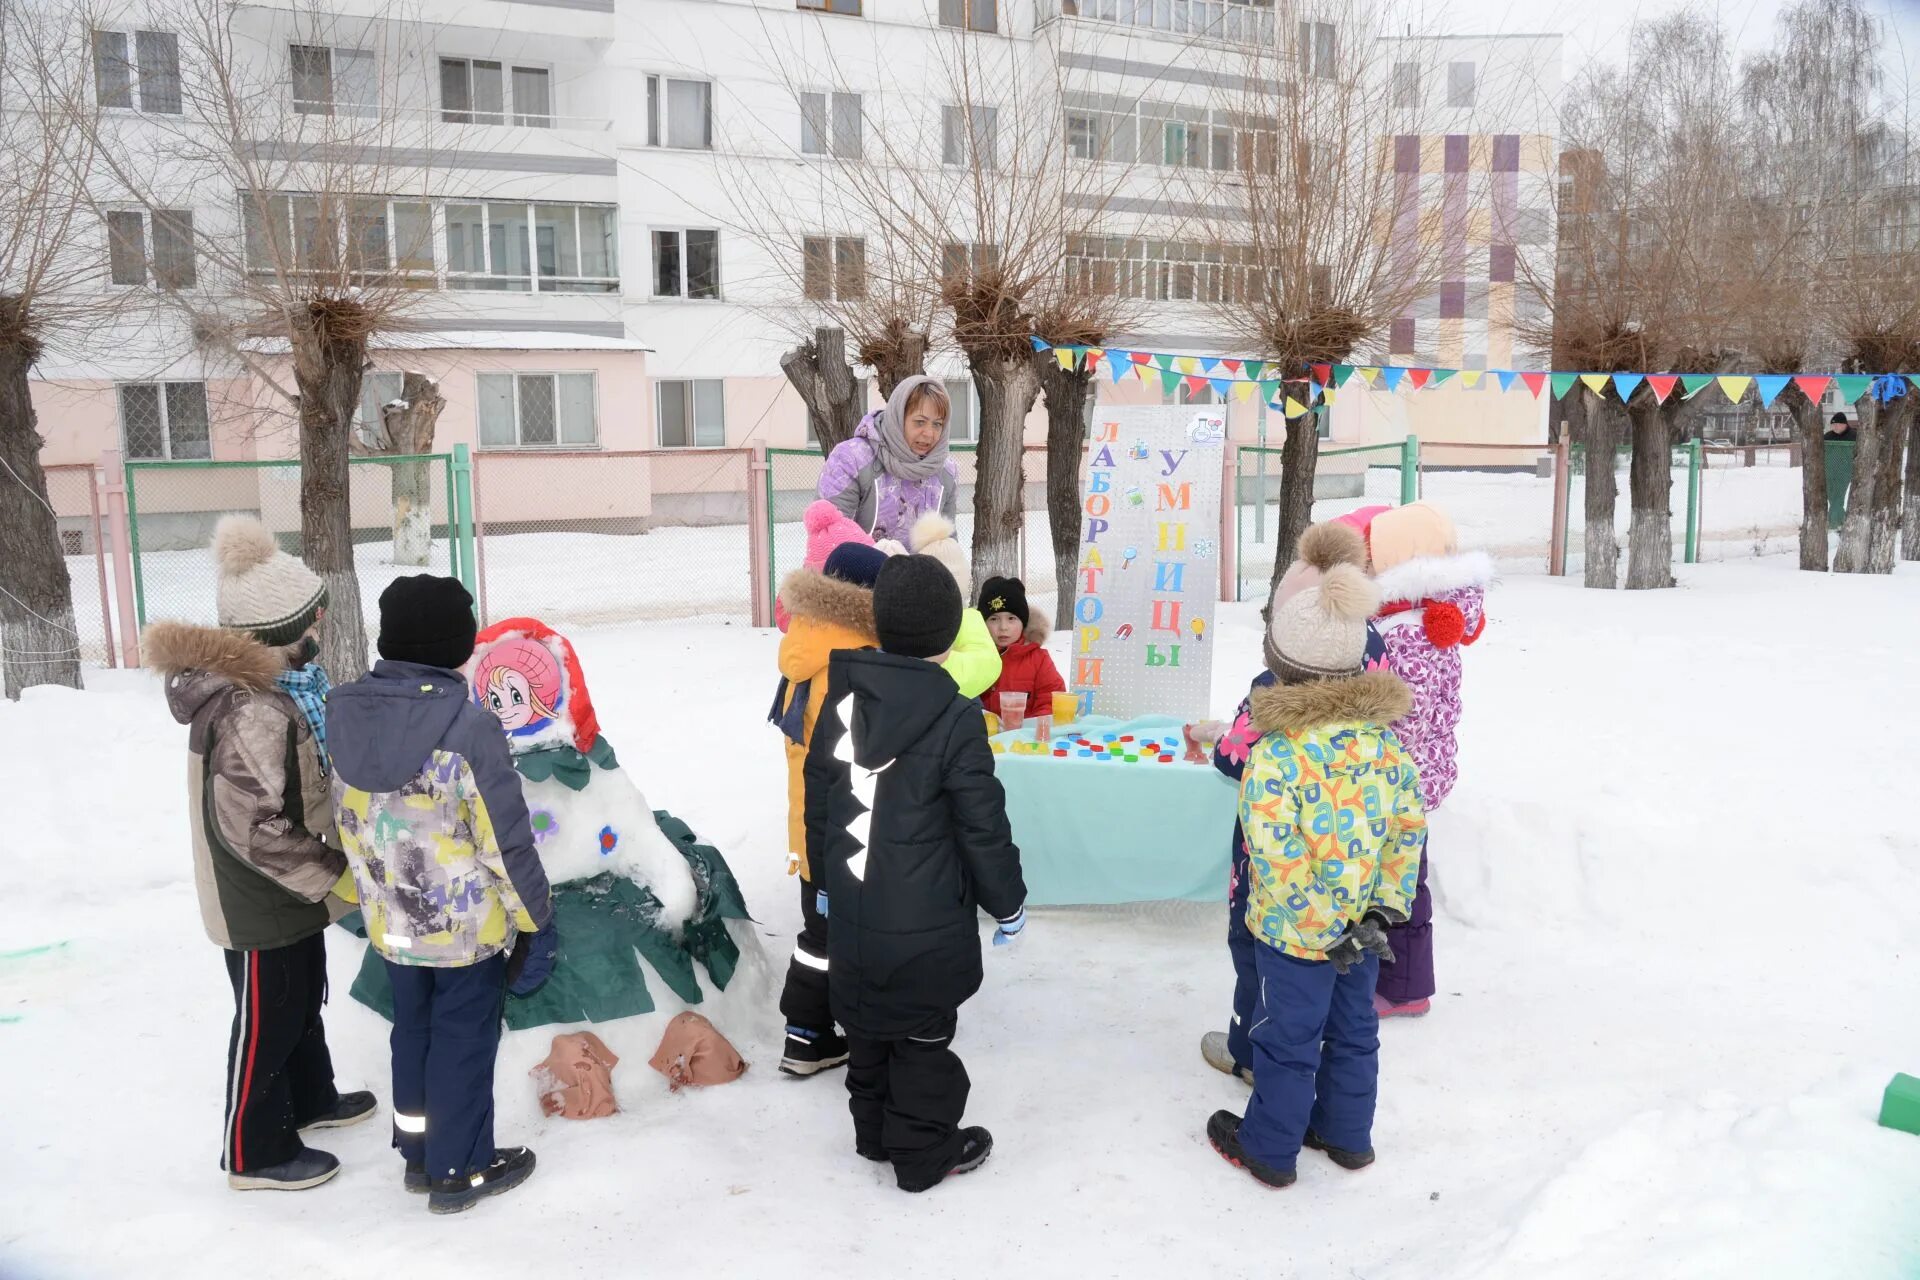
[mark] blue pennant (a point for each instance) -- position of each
(1039, 344)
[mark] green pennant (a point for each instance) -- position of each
(1163, 362)
(1440, 376)
(1563, 383)
(1252, 369)
(1170, 379)
(1853, 385)
(1341, 372)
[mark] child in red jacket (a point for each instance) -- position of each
(1025, 665)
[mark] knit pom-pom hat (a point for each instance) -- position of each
(262, 590)
(1320, 632)
(1322, 546)
(827, 528)
(933, 536)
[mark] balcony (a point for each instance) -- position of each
(1233, 21)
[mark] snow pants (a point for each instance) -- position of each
(279, 1073)
(1316, 1057)
(1241, 945)
(1410, 976)
(446, 1030)
(804, 1002)
(907, 1097)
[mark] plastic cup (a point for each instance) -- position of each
(1066, 708)
(1013, 711)
(1043, 729)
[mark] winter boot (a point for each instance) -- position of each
(511, 1166)
(876, 1154)
(976, 1144)
(811, 1052)
(308, 1169)
(1213, 1047)
(352, 1108)
(1411, 1009)
(416, 1180)
(1223, 1131)
(1349, 1160)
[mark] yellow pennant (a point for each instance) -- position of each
(1295, 409)
(1735, 388)
(1327, 396)
(1371, 373)
(1065, 356)
(1243, 391)
(1470, 378)
(1596, 382)
(1187, 364)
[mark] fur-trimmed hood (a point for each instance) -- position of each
(199, 662)
(1375, 697)
(1039, 628)
(1427, 576)
(808, 593)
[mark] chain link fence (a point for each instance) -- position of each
(172, 508)
(72, 494)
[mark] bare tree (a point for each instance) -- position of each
(405, 430)
(332, 243)
(52, 293)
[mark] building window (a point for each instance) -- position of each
(537, 410)
(686, 263)
(1460, 84)
(833, 267)
(958, 261)
(971, 15)
(164, 421)
(679, 113)
(1164, 270)
(357, 235)
(968, 135)
(329, 82)
(475, 91)
(692, 413)
(963, 412)
(137, 65)
(151, 244)
(830, 124)
(1406, 84)
(849, 7)
(1316, 50)
(1165, 133)
(549, 248)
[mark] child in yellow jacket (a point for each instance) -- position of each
(1330, 804)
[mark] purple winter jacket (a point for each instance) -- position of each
(1432, 671)
(854, 481)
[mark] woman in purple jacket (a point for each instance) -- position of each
(895, 469)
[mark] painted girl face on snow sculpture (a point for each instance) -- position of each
(519, 680)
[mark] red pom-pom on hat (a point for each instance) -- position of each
(1444, 623)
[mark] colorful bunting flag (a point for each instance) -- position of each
(1391, 375)
(1853, 385)
(1596, 382)
(1232, 366)
(1369, 374)
(1295, 409)
(1162, 362)
(1562, 383)
(1812, 386)
(1327, 397)
(1735, 387)
(1534, 382)
(1625, 384)
(1254, 368)
(1221, 386)
(1322, 373)
(1039, 344)
(1169, 380)
(1208, 364)
(1662, 384)
(1187, 365)
(1441, 375)
(1141, 357)
(1342, 374)
(1065, 356)
(1418, 377)
(1506, 377)
(1269, 390)
(1770, 386)
(1470, 378)
(1119, 368)
(1195, 383)
(1243, 390)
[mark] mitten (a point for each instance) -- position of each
(1010, 928)
(531, 963)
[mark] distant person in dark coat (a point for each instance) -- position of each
(1841, 431)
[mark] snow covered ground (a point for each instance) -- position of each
(1677, 948)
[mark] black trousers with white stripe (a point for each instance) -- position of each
(279, 1073)
(804, 1001)
(907, 1097)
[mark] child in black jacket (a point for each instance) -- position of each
(910, 825)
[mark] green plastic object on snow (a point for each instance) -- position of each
(607, 925)
(1900, 1106)
(1839, 480)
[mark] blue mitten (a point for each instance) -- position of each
(1010, 928)
(532, 961)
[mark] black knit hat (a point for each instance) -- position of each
(1838, 420)
(916, 607)
(427, 620)
(1005, 595)
(855, 563)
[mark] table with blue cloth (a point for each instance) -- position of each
(1095, 829)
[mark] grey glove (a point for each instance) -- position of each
(1365, 936)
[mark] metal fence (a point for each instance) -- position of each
(74, 494)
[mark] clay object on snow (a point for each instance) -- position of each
(694, 1052)
(576, 1080)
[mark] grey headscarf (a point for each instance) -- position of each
(897, 457)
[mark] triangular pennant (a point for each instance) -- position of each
(1813, 386)
(1391, 375)
(1596, 382)
(1341, 374)
(1326, 397)
(1369, 374)
(1039, 344)
(1222, 385)
(1562, 383)
(1254, 368)
(1535, 381)
(1295, 409)
(1692, 384)
(1209, 363)
(1169, 381)
(1322, 374)
(1662, 384)
(1735, 387)
(1270, 391)
(1770, 386)
(1187, 365)
(1853, 385)
(1470, 378)
(1243, 390)
(1065, 356)
(1625, 384)
(1231, 366)
(1195, 382)
(1506, 377)
(1162, 361)
(1140, 357)
(1117, 367)
(1419, 377)
(1443, 375)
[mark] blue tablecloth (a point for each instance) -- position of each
(1099, 831)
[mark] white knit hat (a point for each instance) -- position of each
(933, 536)
(1320, 631)
(263, 590)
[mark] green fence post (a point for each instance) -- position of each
(1693, 501)
(773, 564)
(462, 547)
(133, 542)
(1239, 521)
(1409, 469)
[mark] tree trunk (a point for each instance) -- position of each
(819, 371)
(1871, 530)
(409, 433)
(1851, 555)
(1602, 491)
(1008, 386)
(1910, 515)
(1650, 535)
(326, 371)
(897, 352)
(1299, 461)
(1069, 395)
(39, 643)
(1813, 478)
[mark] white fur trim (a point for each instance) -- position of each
(1431, 575)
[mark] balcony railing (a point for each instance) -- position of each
(1230, 20)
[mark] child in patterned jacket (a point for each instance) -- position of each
(1330, 806)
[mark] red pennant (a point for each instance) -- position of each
(1143, 357)
(1662, 384)
(1196, 383)
(1418, 377)
(1323, 374)
(1813, 385)
(1535, 382)
(1231, 366)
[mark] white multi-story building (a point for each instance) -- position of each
(614, 210)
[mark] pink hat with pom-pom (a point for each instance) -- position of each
(827, 529)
